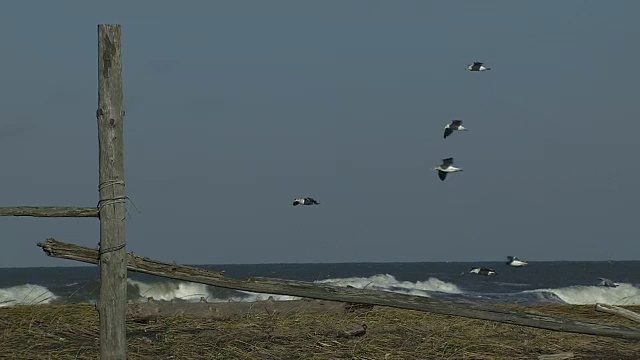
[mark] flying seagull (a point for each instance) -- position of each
(477, 66)
(607, 283)
(445, 168)
(454, 125)
(305, 201)
(483, 271)
(515, 262)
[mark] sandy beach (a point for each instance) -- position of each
(300, 330)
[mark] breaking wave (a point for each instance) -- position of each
(193, 292)
(26, 294)
(624, 294)
(388, 282)
(171, 290)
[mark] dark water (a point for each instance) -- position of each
(540, 282)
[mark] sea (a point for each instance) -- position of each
(558, 282)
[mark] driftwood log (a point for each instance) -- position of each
(153, 309)
(303, 289)
(49, 211)
(616, 310)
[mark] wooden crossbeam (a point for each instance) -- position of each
(50, 211)
(344, 294)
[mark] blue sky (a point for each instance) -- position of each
(236, 107)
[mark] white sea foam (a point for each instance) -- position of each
(388, 282)
(624, 294)
(173, 290)
(26, 294)
(192, 292)
(170, 290)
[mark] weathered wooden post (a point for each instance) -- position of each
(112, 304)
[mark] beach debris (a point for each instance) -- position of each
(143, 311)
(56, 337)
(558, 356)
(616, 310)
(357, 331)
(350, 307)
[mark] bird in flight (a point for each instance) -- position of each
(445, 168)
(477, 66)
(452, 126)
(305, 201)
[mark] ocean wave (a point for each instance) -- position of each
(388, 282)
(193, 292)
(170, 290)
(511, 284)
(624, 294)
(26, 294)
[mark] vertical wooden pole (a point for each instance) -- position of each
(113, 264)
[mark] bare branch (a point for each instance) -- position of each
(50, 211)
(616, 310)
(345, 294)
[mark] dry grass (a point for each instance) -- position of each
(71, 332)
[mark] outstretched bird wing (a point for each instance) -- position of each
(312, 200)
(447, 131)
(442, 175)
(456, 123)
(446, 162)
(476, 63)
